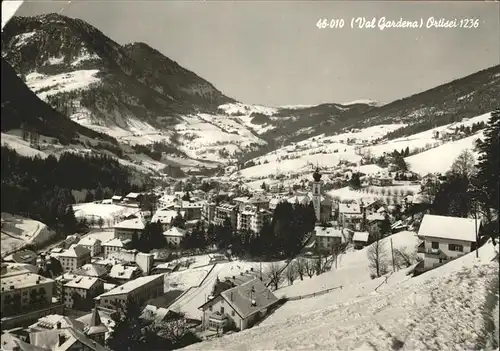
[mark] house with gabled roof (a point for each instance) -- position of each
(139, 290)
(127, 228)
(239, 307)
(350, 215)
(74, 257)
(446, 238)
(174, 236)
(65, 339)
(79, 292)
(327, 237)
(91, 243)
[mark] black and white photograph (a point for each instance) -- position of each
(260, 175)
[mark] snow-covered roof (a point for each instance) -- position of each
(123, 272)
(89, 241)
(375, 217)
(23, 281)
(134, 223)
(132, 195)
(174, 231)
(82, 282)
(50, 340)
(249, 298)
(360, 236)
(258, 199)
(151, 312)
(91, 270)
(187, 204)
(349, 208)
(164, 216)
(50, 322)
(75, 251)
(114, 242)
(132, 285)
(328, 232)
(242, 199)
(116, 197)
(227, 207)
(444, 227)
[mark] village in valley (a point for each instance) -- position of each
(205, 257)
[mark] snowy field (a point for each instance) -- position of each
(438, 310)
(22, 147)
(325, 151)
(423, 139)
(111, 213)
(186, 279)
(387, 194)
(43, 85)
(352, 269)
(18, 231)
(441, 158)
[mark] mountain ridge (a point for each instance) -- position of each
(140, 96)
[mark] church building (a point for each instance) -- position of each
(322, 205)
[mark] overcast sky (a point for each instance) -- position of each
(272, 53)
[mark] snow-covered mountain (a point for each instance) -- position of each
(136, 94)
(139, 96)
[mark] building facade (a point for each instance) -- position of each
(24, 293)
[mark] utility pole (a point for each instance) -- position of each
(475, 225)
(392, 253)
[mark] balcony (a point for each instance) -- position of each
(433, 252)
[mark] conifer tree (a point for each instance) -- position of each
(487, 185)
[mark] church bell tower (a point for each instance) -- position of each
(316, 193)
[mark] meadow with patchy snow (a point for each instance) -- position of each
(44, 85)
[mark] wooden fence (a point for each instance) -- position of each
(318, 293)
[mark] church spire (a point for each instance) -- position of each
(317, 175)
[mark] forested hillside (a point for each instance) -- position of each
(41, 188)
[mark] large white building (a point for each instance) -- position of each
(139, 290)
(446, 238)
(25, 292)
(74, 257)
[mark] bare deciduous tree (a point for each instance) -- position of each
(301, 267)
(403, 258)
(310, 267)
(275, 274)
(173, 328)
(100, 222)
(464, 164)
(337, 250)
(291, 272)
(377, 256)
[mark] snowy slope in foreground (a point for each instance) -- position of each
(439, 310)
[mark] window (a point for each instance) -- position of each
(222, 310)
(455, 247)
(232, 313)
(210, 308)
(435, 245)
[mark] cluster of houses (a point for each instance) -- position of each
(98, 278)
